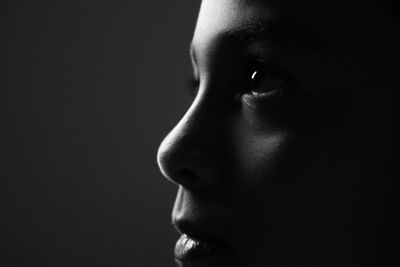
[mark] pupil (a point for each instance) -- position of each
(258, 75)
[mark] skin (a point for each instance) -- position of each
(307, 178)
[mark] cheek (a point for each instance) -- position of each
(263, 139)
(284, 186)
(256, 155)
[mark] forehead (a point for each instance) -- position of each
(218, 18)
(224, 15)
(327, 18)
(268, 20)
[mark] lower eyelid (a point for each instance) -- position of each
(265, 94)
(255, 99)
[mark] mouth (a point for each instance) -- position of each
(197, 248)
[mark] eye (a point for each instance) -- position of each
(264, 82)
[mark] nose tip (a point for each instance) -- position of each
(177, 167)
(187, 155)
(184, 164)
(165, 163)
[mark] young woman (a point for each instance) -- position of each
(288, 155)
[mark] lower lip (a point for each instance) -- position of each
(194, 251)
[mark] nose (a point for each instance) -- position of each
(188, 155)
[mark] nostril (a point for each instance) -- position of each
(185, 177)
(186, 174)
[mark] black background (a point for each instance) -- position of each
(88, 91)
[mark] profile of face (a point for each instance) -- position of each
(287, 155)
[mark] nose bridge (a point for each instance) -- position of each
(184, 156)
(185, 132)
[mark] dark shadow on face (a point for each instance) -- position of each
(289, 149)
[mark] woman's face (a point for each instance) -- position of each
(284, 157)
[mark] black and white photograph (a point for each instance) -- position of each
(199, 133)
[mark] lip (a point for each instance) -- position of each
(196, 247)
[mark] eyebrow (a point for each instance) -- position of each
(275, 32)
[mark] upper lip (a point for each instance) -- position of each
(197, 231)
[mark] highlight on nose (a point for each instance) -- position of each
(166, 159)
(174, 164)
(187, 155)
(184, 161)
